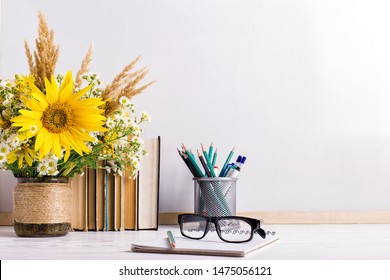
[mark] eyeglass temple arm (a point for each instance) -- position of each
(260, 231)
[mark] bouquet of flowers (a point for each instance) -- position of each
(51, 125)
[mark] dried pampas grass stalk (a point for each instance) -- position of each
(30, 59)
(119, 80)
(84, 66)
(125, 85)
(42, 63)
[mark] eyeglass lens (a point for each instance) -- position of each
(193, 226)
(233, 230)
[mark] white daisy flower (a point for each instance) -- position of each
(110, 123)
(4, 149)
(124, 101)
(3, 158)
(95, 139)
(33, 129)
(4, 83)
(137, 130)
(15, 142)
(146, 117)
(43, 168)
(135, 162)
(52, 164)
(53, 172)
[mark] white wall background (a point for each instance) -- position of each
(302, 88)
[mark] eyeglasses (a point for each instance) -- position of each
(232, 229)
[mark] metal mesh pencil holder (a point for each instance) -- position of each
(215, 196)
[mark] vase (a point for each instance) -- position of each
(42, 207)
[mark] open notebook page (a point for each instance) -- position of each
(209, 245)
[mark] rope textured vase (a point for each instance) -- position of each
(42, 207)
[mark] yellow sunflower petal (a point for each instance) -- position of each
(31, 152)
(12, 157)
(20, 162)
(80, 134)
(32, 104)
(66, 88)
(20, 119)
(28, 158)
(80, 94)
(88, 103)
(67, 80)
(67, 154)
(90, 126)
(51, 90)
(67, 138)
(38, 95)
(41, 137)
(56, 145)
(31, 114)
(54, 83)
(48, 143)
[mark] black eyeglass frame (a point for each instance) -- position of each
(255, 226)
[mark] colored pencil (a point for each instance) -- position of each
(211, 151)
(206, 168)
(192, 160)
(226, 162)
(205, 153)
(186, 161)
(214, 157)
(171, 239)
(208, 162)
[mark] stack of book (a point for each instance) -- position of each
(103, 201)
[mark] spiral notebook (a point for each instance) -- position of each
(210, 245)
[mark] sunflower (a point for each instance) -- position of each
(59, 118)
(23, 83)
(18, 155)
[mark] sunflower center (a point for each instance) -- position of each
(57, 118)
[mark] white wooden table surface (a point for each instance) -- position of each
(300, 242)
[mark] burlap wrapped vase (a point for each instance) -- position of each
(42, 207)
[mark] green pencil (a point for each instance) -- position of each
(204, 153)
(211, 168)
(192, 160)
(211, 151)
(214, 158)
(227, 161)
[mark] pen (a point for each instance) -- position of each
(243, 159)
(235, 171)
(171, 240)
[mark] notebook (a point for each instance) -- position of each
(210, 245)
